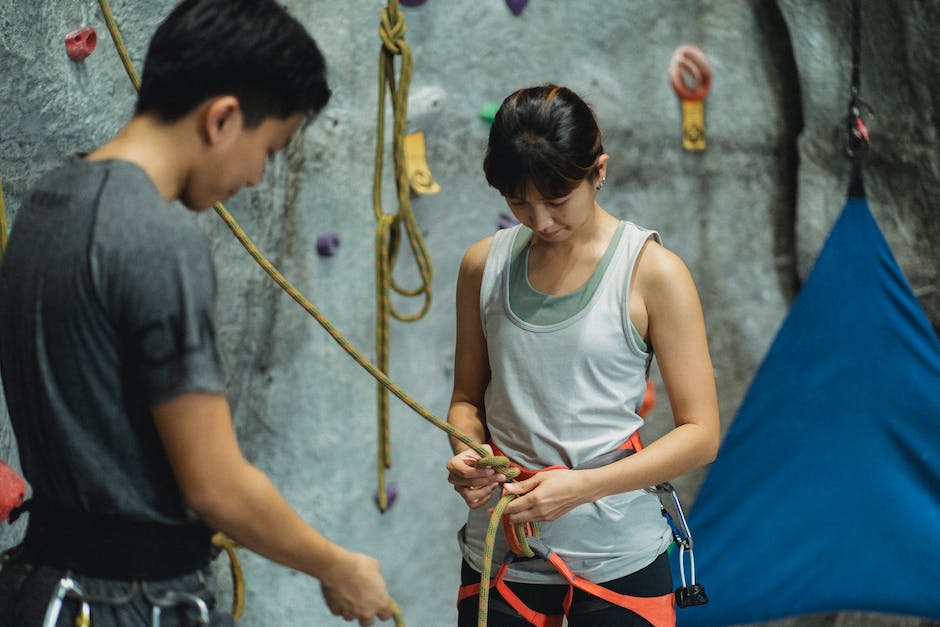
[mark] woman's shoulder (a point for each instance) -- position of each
(474, 260)
(662, 276)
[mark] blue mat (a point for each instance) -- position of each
(825, 495)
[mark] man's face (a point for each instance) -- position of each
(238, 162)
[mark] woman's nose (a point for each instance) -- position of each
(541, 219)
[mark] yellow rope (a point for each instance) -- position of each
(235, 569)
(388, 225)
(490, 540)
(3, 221)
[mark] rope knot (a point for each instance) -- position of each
(392, 29)
(499, 464)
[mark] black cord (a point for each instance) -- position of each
(857, 136)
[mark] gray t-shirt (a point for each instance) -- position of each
(107, 296)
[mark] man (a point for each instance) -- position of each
(108, 348)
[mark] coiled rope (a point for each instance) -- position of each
(389, 225)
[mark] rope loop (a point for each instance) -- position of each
(499, 464)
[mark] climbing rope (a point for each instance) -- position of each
(3, 222)
(389, 225)
(226, 544)
(498, 463)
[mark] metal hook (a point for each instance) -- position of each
(172, 598)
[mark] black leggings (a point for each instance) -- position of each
(586, 610)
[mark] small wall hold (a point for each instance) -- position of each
(12, 490)
(691, 77)
(506, 220)
(327, 243)
(516, 6)
(80, 43)
(488, 111)
(391, 495)
(416, 165)
(411, 3)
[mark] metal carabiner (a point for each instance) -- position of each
(65, 588)
(681, 533)
(691, 593)
(173, 598)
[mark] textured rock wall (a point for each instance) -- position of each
(748, 216)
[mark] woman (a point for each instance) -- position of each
(557, 319)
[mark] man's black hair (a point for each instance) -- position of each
(251, 49)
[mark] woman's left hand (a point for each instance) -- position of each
(546, 496)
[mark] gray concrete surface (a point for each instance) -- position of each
(748, 216)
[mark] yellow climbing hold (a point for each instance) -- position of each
(416, 165)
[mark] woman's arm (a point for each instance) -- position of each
(665, 304)
(471, 376)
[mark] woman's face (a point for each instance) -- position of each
(556, 219)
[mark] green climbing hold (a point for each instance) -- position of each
(488, 111)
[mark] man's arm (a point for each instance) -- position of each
(232, 496)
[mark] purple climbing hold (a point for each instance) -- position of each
(391, 495)
(516, 6)
(411, 3)
(327, 243)
(506, 220)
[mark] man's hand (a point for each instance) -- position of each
(356, 590)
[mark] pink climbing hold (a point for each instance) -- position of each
(80, 43)
(516, 6)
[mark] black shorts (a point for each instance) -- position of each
(586, 610)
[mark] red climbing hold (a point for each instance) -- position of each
(12, 490)
(80, 43)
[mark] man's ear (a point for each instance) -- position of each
(222, 120)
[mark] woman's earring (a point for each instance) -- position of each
(601, 186)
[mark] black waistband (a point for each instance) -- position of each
(113, 547)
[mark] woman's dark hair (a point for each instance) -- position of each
(251, 49)
(547, 135)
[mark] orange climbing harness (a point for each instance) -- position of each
(657, 610)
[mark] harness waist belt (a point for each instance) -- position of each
(112, 547)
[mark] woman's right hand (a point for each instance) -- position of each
(474, 484)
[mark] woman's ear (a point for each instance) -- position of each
(602, 166)
(222, 120)
(600, 171)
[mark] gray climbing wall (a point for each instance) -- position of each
(748, 216)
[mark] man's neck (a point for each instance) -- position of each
(161, 150)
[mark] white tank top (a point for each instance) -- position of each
(565, 394)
